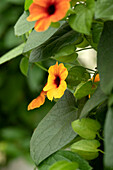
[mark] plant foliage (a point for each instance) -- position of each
(87, 24)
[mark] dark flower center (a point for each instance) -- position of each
(51, 9)
(57, 81)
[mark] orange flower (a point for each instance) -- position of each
(38, 101)
(96, 79)
(46, 11)
(56, 84)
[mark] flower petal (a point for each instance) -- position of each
(36, 12)
(97, 78)
(61, 10)
(51, 93)
(36, 103)
(62, 71)
(43, 3)
(43, 24)
(57, 92)
(50, 84)
(61, 89)
(53, 70)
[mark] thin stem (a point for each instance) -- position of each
(23, 38)
(101, 151)
(99, 136)
(99, 22)
(84, 49)
(43, 68)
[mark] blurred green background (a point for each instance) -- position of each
(16, 90)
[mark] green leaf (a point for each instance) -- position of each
(37, 38)
(101, 113)
(110, 101)
(82, 20)
(24, 65)
(64, 165)
(97, 98)
(83, 89)
(67, 59)
(22, 26)
(64, 36)
(66, 50)
(79, 40)
(27, 4)
(77, 74)
(105, 58)
(96, 32)
(83, 43)
(54, 131)
(104, 9)
(108, 132)
(12, 54)
(64, 155)
(86, 148)
(86, 128)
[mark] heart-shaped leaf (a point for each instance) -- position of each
(55, 130)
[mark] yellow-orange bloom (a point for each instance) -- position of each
(56, 84)
(96, 79)
(38, 101)
(46, 11)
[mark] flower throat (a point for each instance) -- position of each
(57, 81)
(51, 9)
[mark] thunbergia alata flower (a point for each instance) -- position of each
(46, 11)
(55, 87)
